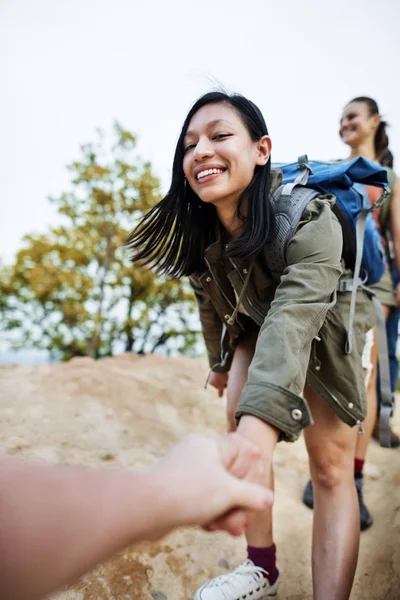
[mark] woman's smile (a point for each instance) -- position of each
(219, 155)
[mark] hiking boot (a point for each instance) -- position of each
(247, 582)
(394, 438)
(308, 495)
(366, 519)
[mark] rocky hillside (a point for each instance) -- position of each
(125, 412)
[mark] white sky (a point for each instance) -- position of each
(69, 66)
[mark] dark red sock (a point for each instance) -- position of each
(266, 559)
(358, 467)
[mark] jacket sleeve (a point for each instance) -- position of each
(304, 295)
(216, 342)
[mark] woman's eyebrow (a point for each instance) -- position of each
(209, 125)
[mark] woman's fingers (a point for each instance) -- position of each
(235, 522)
(241, 458)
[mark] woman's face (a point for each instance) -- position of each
(357, 125)
(219, 154)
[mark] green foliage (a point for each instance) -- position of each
(72, 290)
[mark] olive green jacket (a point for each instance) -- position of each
(290, 308)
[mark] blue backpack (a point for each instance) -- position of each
(362, 245)
(363, 248)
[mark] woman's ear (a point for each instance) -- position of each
(264, 146)
(376, 119)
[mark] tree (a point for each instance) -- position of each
(72, 290)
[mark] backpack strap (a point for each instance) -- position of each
(288, 203)
(347, 285)
(302, 177)
(351, 285)
(384, 371)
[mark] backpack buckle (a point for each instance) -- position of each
(378, 203)
(303, 163)
(305, 170)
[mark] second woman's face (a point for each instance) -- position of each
(219, 154)
(356, 124)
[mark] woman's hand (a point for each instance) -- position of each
(219, 381)
(212, 482)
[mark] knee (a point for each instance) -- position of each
(326, 476)
(330, 472)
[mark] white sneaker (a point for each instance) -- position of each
(247, 582)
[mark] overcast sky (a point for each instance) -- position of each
(70, 66)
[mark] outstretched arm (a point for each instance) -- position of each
(56, 523)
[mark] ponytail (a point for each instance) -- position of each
(381, 142)
(386, 159)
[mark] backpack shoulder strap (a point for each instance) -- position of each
(384, 214)
(288, 204)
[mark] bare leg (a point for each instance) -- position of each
(336, 529)
(260, 433)
(265, 437)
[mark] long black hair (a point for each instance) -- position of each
(381, 140)
(172, 237)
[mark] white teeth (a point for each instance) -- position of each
(208, 172)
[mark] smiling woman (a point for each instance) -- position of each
(226, 134)
(216, 225)
(219, 162)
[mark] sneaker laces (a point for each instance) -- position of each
(249, 574)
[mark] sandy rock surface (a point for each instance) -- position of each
(125, 412)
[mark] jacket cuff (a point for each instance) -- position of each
(216, 364)
(277, 406)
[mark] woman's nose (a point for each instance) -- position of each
(204, 149)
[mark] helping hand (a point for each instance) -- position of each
(211, 482)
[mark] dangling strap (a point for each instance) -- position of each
(230, 321)
(224, 356)
(360, 233)
(384, 372)
(232, 317)
(356, 281)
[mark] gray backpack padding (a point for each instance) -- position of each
(287, 209)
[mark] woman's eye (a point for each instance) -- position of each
(188, 147)
(221, 136)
